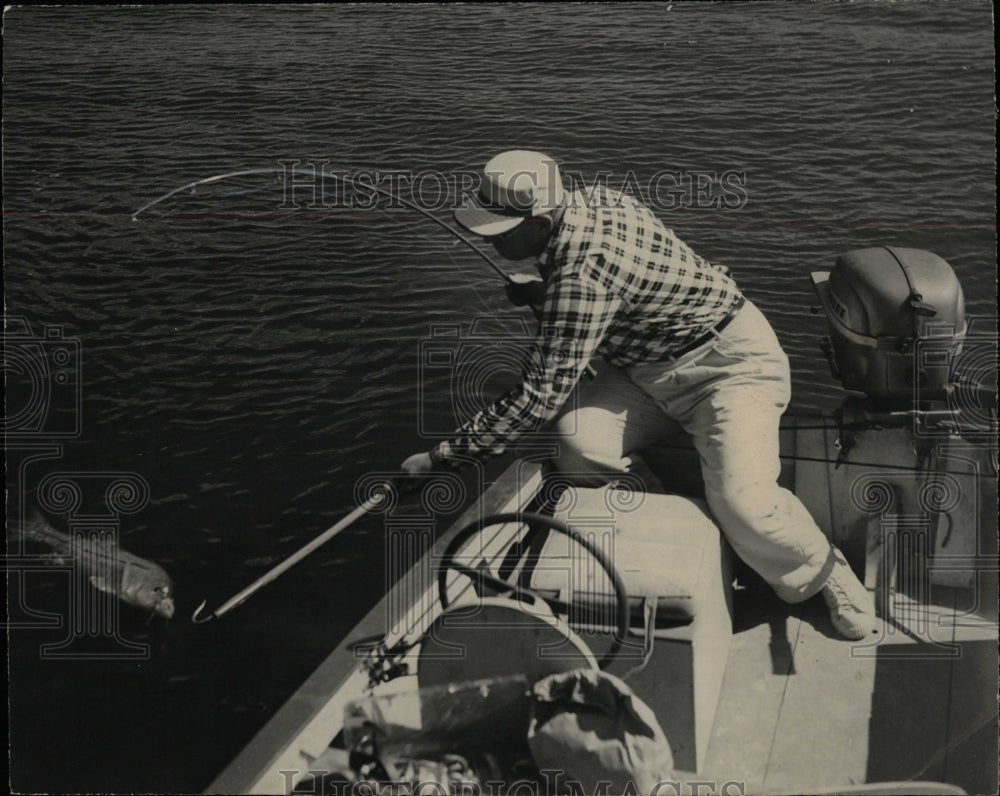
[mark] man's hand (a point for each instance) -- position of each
(525, 289)
(418, 464)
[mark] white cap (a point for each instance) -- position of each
(515, 185)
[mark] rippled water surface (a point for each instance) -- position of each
(252, 368)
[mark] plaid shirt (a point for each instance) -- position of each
(618, 283)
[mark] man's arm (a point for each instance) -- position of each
(575, 317)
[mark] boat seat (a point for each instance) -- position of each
(666, 548)
(668, 551)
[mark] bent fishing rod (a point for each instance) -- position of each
(360, 185)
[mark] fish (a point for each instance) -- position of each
(135, 581)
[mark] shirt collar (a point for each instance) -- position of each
(571, 200)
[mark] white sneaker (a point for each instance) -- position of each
(852, 608)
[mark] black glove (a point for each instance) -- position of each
(525, 289)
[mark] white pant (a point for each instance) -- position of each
(729, 395)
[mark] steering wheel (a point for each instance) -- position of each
(480, 574)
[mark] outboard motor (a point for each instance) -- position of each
(897, 322)
(915, 433)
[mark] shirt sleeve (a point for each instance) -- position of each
(577, 312)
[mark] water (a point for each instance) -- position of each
(252, 370)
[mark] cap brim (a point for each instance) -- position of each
(482, 222)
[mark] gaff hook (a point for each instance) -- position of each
(372, 502)
(199, 620)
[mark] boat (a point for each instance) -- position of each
(754, 696)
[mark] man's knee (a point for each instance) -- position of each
(752, 505)
(574, 454)
(583, 451)
(576, 437)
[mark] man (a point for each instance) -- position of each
(683, 345)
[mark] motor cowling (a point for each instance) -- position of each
(896, 321)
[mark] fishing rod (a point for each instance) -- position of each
(361, 185)
(381, 496)
(281, 174)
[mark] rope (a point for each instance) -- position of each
(649, 605)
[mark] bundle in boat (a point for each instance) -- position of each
(467, 717)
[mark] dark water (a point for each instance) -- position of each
(252, 370)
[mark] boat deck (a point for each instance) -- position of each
(802, 709)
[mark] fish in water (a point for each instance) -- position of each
(135, 581)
